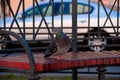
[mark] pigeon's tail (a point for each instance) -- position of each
(47, 53)
(50, 50)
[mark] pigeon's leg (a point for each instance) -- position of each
(59, 57)
(56, 57)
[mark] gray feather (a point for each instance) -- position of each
(61, 44)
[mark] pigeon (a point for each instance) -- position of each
(59, 45)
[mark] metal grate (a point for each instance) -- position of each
(97, 33)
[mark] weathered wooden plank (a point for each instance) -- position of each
(80, 59)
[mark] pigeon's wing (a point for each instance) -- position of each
(60, 45)
(52, 48)
(63, 46)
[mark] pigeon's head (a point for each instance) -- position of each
(56, 30)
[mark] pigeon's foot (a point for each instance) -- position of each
(59, 57)
(56, 57)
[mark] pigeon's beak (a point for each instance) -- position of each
(52, 32)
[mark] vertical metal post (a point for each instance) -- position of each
(89, 18)
(74, 25)
(101, 72)
(74, 34)
(74, 74)
(62, 14)
(33, 20)
(98, 33)
(118, 4)
(52, 16)
(23, 19)
(4, 14)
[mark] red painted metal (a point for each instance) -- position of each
(70, 60)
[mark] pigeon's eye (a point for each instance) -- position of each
(54, 31)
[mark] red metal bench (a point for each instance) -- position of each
(35, 64)
(73, 60)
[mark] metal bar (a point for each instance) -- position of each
(108, 16)
(9, 10)
(27, 49)
(12, 70)
(52, 15)
(118, 18)
(74, 34)
(74, 25)
(23, 16)
(43, 19)
(89, 18)
(52, 37)
(11, 26)
(14, 17)
(98, 19)
(4, 14)
(74, 74)
(33, 19)
(101, 73)
(62, 14)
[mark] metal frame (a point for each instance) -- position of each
(26, 47)
(74, 29)
(75, 34)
